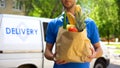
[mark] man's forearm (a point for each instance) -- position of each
(99, 52)
(48, 52)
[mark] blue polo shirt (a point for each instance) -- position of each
(51, 34)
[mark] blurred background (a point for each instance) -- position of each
(105, 13)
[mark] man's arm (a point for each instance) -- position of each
(97, 52)
(48, 51)
(50, 56)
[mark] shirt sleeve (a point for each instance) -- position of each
(94, 33)
(50, 38)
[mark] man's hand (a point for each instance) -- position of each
(93, 53)
(97, 52)
(92, 56)
(60, 61)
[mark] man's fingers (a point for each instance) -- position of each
(60, 61)
(93, 53)
(92, 49)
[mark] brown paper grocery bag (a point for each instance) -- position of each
(72, 46)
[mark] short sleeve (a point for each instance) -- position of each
(95, 34)
(50, 38)
(92, 31)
